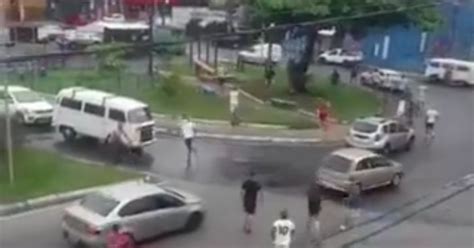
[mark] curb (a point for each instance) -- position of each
(50, 200)
(268, 139)
(383, 222)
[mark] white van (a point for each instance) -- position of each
(462, 71)
(94, 113)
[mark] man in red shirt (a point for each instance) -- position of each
(118, 238)
(322, 112)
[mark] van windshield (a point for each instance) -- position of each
(139, 115)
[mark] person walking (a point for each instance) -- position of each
(431, 116)
(354, 74)
(283, 231)
(234, 105)
(188, 132)
(335, 77)
(119, 141)
(251, 191)
(322, 112)
(314, 208)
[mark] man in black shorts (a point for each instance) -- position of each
(251, 189)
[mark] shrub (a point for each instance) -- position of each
(171, 83)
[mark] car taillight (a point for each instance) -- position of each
(93, 230)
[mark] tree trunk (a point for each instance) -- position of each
(300, 49)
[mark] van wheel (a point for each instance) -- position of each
(194, 221)
(68, 133)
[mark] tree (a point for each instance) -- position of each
(341, 14)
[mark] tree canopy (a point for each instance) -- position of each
(422, 13)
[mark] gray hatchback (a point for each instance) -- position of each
(355, 170)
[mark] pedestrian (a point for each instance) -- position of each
(251, 191)
(322, 112)
(269, 75)
(335, 77)
(188, 132)
(283, 231)
(314, 208)
(354, 74)
(119, 238)
(120, 143)
(352, 213)
(234, 106)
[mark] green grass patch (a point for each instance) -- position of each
(178, 97)
(40, 173)
(348, 102)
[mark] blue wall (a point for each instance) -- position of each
(406, 51)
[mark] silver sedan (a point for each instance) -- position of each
(144, 209)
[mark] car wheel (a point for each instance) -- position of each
(194, 221)
(68, 133)
(396, 180)
(323, 60)
(409, 144)
(387, 149)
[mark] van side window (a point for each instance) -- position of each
(71, 103)
(463, 68)
(94, 109)
(434, 64)
(116, 115)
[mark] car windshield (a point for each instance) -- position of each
(26, 96)
(337, 163)
(364, 127)
(139, 115)
(99, 204)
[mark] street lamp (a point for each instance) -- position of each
(8, 133)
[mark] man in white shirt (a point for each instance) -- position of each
(282, 231)
(188, 132)
(431, 118)
(234, 105)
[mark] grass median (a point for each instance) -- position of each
(180, 98)
(40, 173)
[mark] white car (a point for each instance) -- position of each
(341, 57)
(380, 134)
(385, 79)
(145, 210)
(258, 54)
(29, 106)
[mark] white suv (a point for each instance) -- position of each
(380, 134)
(258, 54)
(341, 57)
(29, 106)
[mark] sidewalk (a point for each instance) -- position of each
(252, 132)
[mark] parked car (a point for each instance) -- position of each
(29, 106)
(96, 114)
(77, 40)
(462, 72)
(355, 170)
(380, 134)
(341, 57)
(258, 54)
(384, 79)
(145, 210)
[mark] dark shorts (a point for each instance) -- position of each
(189, 143)
(249, 207)
(313, 208)
(429, 126)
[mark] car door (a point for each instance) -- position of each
(171, 214)
(402, 135)
(139, 216)
(362, 173)
(393, 135)
(381, 170)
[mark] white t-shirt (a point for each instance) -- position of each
(234, 99)
(187, 129)
(431, 116)
(283, 231)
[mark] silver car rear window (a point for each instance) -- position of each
(364, 127)
(337, 163)
(99, 204)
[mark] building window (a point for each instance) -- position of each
(424, 37)
(376, 49)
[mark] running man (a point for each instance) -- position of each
(314, 207)
(283, 231)
(188, 132)
(251, 190)
(431, 118)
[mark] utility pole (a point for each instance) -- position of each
(8, 131)
(151, 22)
